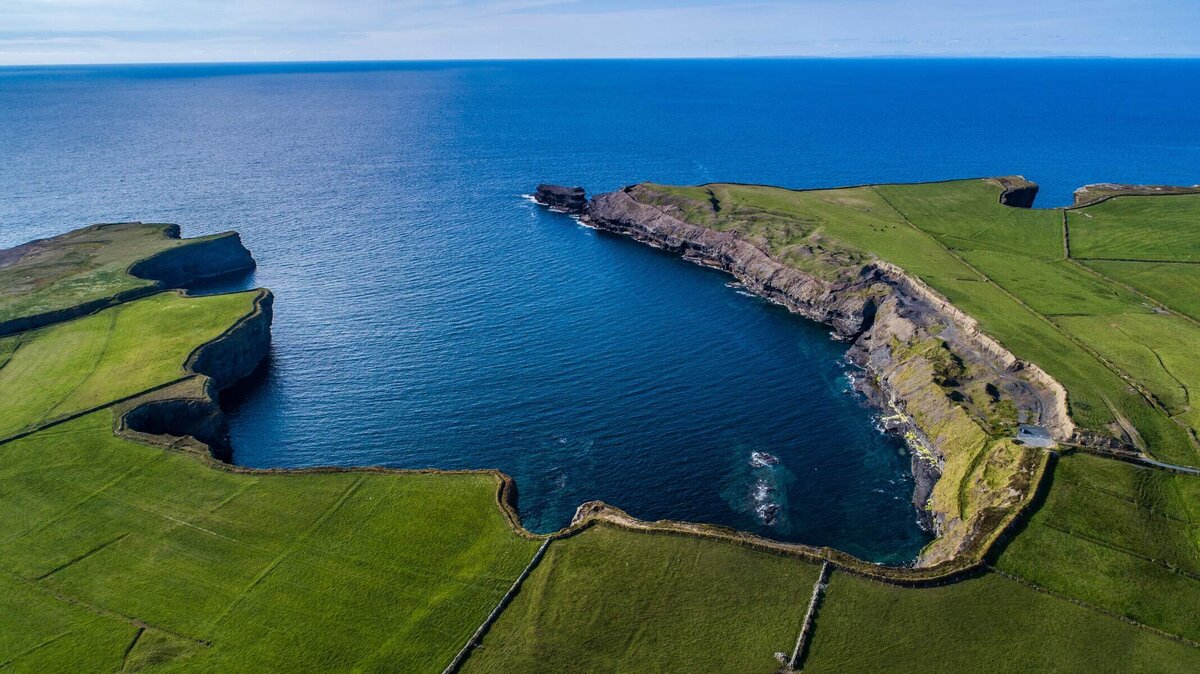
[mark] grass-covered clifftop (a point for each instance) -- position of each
(123, 549)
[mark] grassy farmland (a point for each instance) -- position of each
(615, 600)
(119, 555)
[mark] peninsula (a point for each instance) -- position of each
(1037, 362)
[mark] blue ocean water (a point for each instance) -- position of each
(427, 315)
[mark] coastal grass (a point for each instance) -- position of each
(1161, 281)
(615, 600)
(1007, 268)
(73, 366)
(230, 570)
(1138, 228)
(1120, 537)
(82, 266)
(987, 624)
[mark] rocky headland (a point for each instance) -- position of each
(916, 351)
(570, 200)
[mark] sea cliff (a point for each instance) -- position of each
(916, 352)
(191, 408)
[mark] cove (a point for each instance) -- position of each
(426, 315)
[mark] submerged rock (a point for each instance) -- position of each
(566, 199)
(763, 459)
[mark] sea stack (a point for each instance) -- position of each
(566, 199)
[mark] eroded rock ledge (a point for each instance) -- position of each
(908, 340)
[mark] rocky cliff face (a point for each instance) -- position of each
(193, 410)
(566, 199)
(846, 306)
(916, 349)
(186, 264)
(1018, 192)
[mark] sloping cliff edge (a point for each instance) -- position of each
(191, 408)
(903, 333)
(190, 261)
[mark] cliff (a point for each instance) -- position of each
(179, 265)
(566, 199)
(943, 384)
(1018, 192)
(190, 262)
(191, 409)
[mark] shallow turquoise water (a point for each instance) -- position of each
(427, 315)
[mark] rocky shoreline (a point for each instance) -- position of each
(884, 313)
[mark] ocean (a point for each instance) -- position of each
(428, 315)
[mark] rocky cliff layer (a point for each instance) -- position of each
(195, 261)
(566, 199)
(192, 409)
(918, 352)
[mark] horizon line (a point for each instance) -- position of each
(567, 59)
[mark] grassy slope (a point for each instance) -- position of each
(302, 571)
(1120, 537)
(621, 601)
(989, 624)
(78, 267)
(117, 352)
(1158, 280)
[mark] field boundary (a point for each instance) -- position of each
(457, 663)
(795, 663)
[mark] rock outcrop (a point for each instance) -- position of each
(565, 199)
(1097, 192)
(185, 264)
(1018, 192)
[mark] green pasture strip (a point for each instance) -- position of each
(310, 570)
(39, 633)
(114, 353)
(1171, 284)
(614, 600)
(987, 624)
(1138, 228)
(1160, 351)
(1120, 537)
(79, 267)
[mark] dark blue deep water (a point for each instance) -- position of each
(427, 315)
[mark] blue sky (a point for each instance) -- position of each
(113, 31)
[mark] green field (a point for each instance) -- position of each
(305, 571)
(620, 601)
(1120, 537)
(1161, 281)
(1138, 228)
(988, 624)
(77, 365)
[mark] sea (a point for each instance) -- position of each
(429, 315)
